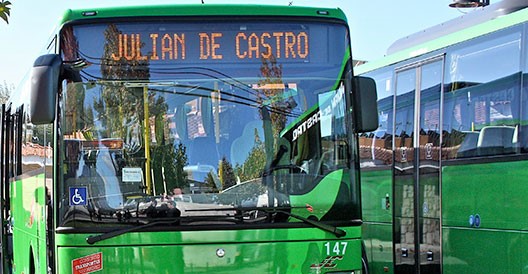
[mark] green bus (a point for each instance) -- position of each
(187, 139)
(444, 176)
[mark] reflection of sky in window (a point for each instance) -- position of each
(383, 78)
(406, 82)
(431, 77)
(383, 119)
(471, 64)
(383, 83)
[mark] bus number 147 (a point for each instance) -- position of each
(337, 248)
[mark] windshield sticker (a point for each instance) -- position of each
(78, 196)
(88, 264)
(132, 174)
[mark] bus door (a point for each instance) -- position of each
(416, 152)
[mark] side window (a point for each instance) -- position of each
(482, 98)
(35, 145)
(523, 131)
(18, 123)
(13, 130)
(376, 147)
(9, 143)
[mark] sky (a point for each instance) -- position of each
(374, 25)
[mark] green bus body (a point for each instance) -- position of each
(186, 139)
(287, 250)
(460, 202)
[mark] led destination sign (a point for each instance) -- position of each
(212, 46)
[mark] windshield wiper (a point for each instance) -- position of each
(269, 210)
(326, 227)
(97, 238)
(283, 210)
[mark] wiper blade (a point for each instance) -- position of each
(283, 210)
(326, 227)
(97, 238)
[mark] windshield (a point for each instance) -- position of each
(207, 122)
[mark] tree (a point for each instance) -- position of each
(180, 161)
(210, 182)
(271, 94)
(5, 10)
(255, 162)
(5, 92)
(227, 174)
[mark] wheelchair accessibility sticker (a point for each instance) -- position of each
(78, 196)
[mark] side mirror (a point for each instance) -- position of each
(45, 76)
(365, 104)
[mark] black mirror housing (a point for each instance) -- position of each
(365, 106)
(45, 78)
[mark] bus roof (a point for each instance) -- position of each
(200, 10)
(489, 19)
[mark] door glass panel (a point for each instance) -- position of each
(404, 171)
(428, 163)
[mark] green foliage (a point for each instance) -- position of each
(5, 92)
(210, 182)
(75, 114)
(227, 174)
(180, 161)
(255, 162)
(39, 134)
(5, 10)
(170, 161)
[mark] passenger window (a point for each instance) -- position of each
(481, 106)
(376, 147)
(523, 129)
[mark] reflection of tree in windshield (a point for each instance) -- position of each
(119, 111)
(170, 161)
(270, 96)
(117, 106)
(255, 162)
(227, 174)
(76, 94)
(271, 89)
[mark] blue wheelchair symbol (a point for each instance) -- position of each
(78, 196)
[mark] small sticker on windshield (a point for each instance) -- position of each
(132, 174)
(78, 196)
